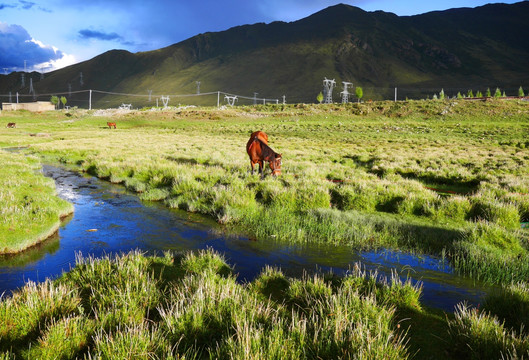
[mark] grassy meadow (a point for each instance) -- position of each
(449, 178)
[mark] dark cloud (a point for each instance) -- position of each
(26, 5)
(92, 34)
(7, 6)
(16, 45)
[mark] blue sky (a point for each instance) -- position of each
(51, 34)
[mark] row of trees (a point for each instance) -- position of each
(470, 94)
(55, 101)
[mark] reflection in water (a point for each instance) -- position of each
(108, 219)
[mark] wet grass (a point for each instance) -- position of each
(30, 211)
(419, 175)
(446, 178)
(190, 305)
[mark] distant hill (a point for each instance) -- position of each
(457, 49)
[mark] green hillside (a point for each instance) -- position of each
(457, 49)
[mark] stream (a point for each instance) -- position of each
(108, 219)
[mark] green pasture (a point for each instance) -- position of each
(449, 178)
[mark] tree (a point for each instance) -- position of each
(320, 97)
(497, 93)
(359, 92)
(520, 92)
(470, 94)
(63, 101)
(442, 94)
(487, 94)
(479, 94)
(54, 100)
(459, 96)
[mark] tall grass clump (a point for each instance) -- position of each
(511, 305)
(120, 291)
(477, 335)
(30, 210)
(491, 253)
(33, 307)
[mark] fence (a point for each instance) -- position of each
(97, 99)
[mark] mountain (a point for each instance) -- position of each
(457, 49)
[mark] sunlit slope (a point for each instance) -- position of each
(459, 48)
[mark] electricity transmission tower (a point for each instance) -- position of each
(328, 85)
(81, 79)
(23, 79)
(198, 87)
(5, 71)
(255, 98)
(165, 101)
(31, 90)
(345, 93)
(231, 99)
(150, 95)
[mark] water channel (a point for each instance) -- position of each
(108, 220)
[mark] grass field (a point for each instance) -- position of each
(449, 178)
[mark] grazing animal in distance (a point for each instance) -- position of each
(259, 152)
(11, 125)
(110, 124)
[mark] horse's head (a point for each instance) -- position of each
(275, 165)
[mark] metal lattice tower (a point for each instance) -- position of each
(23, 79)
(231, 99)
(328, 85)
(69, 90)
(5, 71)
(150, 95)
(165, 101)
(81, 79)
(25, 66)
(345, 93)
(31, 90)
(198, 87)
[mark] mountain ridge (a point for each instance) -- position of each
(461, 48)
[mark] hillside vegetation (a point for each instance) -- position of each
(458, 50)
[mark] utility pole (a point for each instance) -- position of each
(395, 94)
(90, 101)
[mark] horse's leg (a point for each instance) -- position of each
(251, 165)
(261, 166)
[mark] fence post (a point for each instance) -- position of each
(218, 99)
(90, 101)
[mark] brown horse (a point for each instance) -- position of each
(110, 124)
(11, 125)
(259, 152)
(259, 135)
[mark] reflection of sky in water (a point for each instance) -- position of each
(108, 219)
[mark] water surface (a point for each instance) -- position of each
(108, 220)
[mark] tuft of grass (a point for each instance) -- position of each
(477, 335)
(31, 210)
